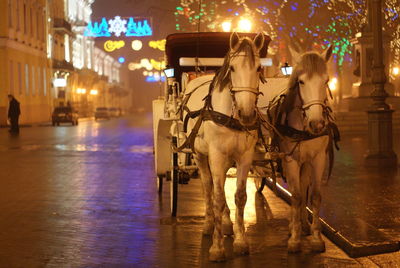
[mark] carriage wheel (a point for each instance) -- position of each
(260, 183)
(174, 180)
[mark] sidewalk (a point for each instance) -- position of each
(361, 206)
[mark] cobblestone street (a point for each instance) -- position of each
(86, 196)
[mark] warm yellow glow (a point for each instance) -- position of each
(94, 92)
(137, 45)
(226, 26)
(158, 65)
(158, 44)
(81, 90)
(333, 84)
(396, 71)
(244, 25)
(111, 45)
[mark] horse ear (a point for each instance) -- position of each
(259, 41)
(295, 56)
(327, 53)
(234, 40)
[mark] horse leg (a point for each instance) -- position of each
(205, 175)
(240, 244)
(305, 177)
(227, 226)
(317, 243)
(218, 164)
(292, 174)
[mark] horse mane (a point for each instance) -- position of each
(310, 63)
(222, 77)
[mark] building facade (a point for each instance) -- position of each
(25, 66)
(48, 61)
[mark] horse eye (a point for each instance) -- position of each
(301, 82)
(232, 69)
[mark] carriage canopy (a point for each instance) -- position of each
(202, 45)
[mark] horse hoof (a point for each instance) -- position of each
(317, 245)
(227, 229)
(241, 248)
(217, 255)
(208, 228)
(294, 247)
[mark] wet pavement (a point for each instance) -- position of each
(86, 196)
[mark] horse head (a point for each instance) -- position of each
(310, 79)
(242, 68)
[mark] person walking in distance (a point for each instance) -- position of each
(13, 114)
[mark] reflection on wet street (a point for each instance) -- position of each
(86, 196)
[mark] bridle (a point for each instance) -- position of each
(326, 109)
(235, 89)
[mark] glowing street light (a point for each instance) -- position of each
(333, 84)
(94, 92)
(81, 90)
(226, 26)
(396, 71)
(244, 25)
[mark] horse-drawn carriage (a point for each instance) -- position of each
(212, 114)
(192, 60)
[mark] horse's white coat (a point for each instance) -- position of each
(304, 168)
(218, 147)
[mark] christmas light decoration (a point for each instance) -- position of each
(133, 26)
(159, 44)
(137, 45)
(117, 26)
(111, 45)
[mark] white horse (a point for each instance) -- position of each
(227, 135)
(305, 130)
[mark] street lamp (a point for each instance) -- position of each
(286, 69)
(395, 71)
(226, 26)
(244, 25)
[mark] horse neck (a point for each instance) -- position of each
(221, 101)
(295, 116)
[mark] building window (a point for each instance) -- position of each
(25, 19)
(49, 46)
(26, 79)
(44, 82)
(38, 25)
(11, 89)
(18, 16)
(32, 20)
(19, 78)
(10, 13)
(33, 81)
(39, 81)
(67, 48)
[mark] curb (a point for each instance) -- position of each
(46, 124)
(352, 248)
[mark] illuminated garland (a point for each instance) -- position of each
(332, 22)
(118, 26)
(158, 44)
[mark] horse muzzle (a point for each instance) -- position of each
(317, 126)
(247, 120)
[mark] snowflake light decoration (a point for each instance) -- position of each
(117, 26)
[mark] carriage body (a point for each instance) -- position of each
(194, 57)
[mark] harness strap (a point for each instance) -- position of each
(227, 121)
